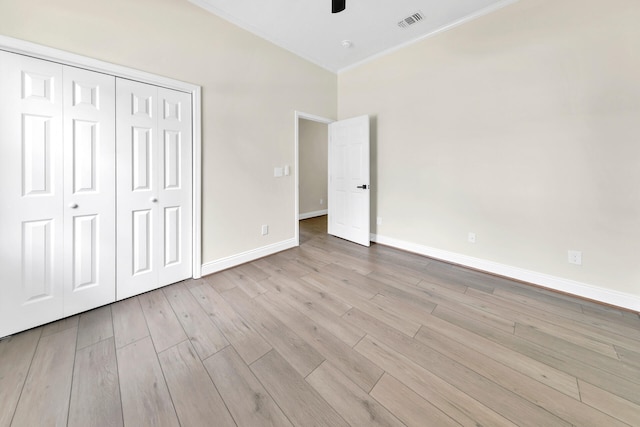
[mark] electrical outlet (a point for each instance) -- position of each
(471, 237)
(322, 201)
(575, 257)
(265, 230)
(379, 220)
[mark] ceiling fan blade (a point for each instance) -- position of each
(338, 5)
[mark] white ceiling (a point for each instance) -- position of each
(309, 29)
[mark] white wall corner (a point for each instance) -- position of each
(583, 290)
(313, 214)
(248, 256)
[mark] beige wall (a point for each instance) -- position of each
(522, 126)
(313, 148)
(251, 90)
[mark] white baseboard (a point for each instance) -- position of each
(312, 214)
(583, 290)
(248, 256)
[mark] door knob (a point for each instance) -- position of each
(73, 206)
(154, 199)
(364, 186)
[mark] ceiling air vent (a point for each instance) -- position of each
(410, 20)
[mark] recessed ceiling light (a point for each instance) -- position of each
(347, 44)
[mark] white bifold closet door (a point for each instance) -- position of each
(57, 185)
(90, 189)
(154, 163)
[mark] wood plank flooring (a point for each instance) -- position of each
(330, 334)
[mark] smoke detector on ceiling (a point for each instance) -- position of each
(411, 19)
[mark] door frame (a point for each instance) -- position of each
(300, 115)
(22, 47)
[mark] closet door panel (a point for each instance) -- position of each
(137, 177)
(154, 155)
(89, 196)
(31, 187)
(175, 192)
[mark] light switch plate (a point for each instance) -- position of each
(277, 172)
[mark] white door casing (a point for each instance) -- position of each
(349, 193)
(89, 189)
(31, 187)
(154, 187)
(298, 116)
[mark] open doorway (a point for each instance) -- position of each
(311, 145)
(313, 151)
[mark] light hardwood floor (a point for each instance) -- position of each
(330, 334)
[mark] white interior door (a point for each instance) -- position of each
(31, 188)
(89, 189)
(175, 190)
(349, 194)
(136, 152)
(154, 187)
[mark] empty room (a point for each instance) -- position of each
(319, 213)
